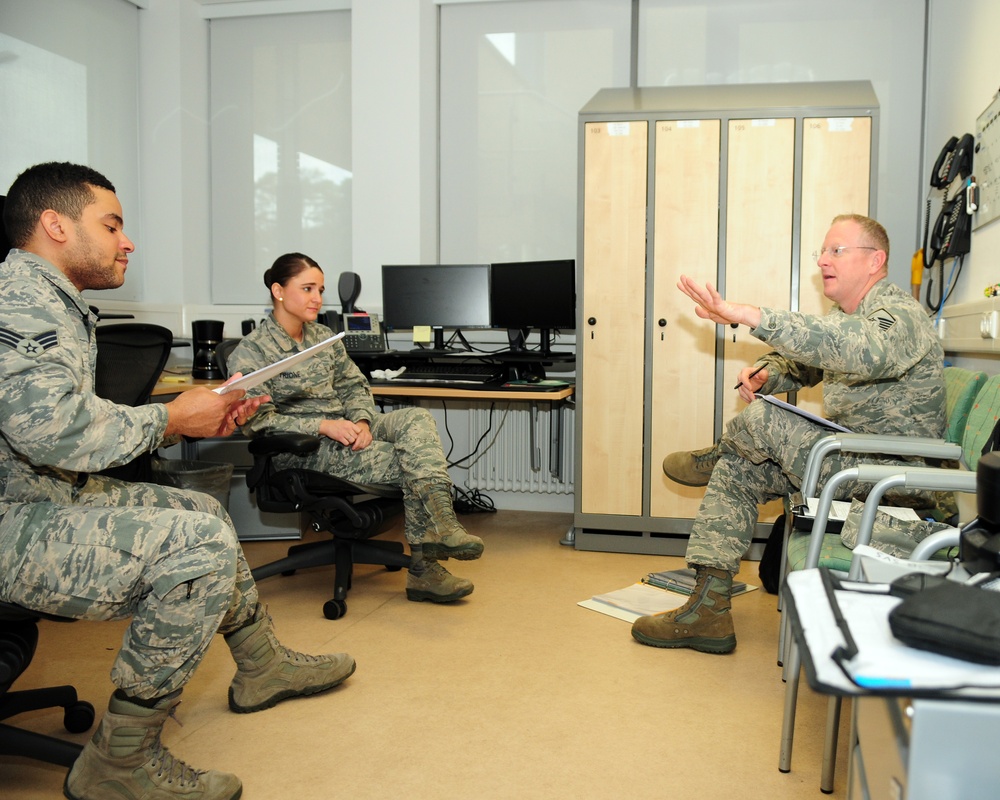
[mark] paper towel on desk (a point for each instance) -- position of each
(387, 374)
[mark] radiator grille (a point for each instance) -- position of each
(507, 465)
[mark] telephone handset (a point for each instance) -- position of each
(954, 161)
(952, 233)
(363, 333)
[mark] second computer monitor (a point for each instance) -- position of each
(453, 296)
(534, 294)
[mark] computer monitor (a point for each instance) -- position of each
(453, 296)
(534, 294)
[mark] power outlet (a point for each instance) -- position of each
(989, 325)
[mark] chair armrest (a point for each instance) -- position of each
(883, 444)
(299, 444)
(933, 543)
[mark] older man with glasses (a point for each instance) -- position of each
(880, 362)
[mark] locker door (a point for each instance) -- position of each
(610, 334)
(682, 351)
(836, 179)
(759, 195)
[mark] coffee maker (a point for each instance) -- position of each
(206, 336)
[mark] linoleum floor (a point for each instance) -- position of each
(515, 692)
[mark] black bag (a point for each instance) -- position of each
(951, 619)
(769, 568)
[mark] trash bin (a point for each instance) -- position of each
(201, 476)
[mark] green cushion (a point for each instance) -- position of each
(982, 419)
(961, 388)
(833, 555)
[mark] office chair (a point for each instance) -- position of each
(351, 512)
(130, 358)
(18, 638)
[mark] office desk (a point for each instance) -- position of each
(172, 384)
(918, 743)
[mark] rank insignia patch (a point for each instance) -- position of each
(882, 318)
(30, 347)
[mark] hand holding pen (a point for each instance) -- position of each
(746, 390)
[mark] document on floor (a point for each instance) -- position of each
(638, 600)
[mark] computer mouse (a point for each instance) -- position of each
(534, 379)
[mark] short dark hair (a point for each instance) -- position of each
(59, 185)
(287, 267)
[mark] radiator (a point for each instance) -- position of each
(507, 463)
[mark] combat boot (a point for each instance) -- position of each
(267, 672)
(430, 581)
(703, 623)
(445, 537)
(692, 468)
(126, 760)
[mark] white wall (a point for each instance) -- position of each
(963, 78)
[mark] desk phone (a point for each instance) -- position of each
(363, 334)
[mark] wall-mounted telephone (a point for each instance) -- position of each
(951, 234)
(363, 333)
(954, 161)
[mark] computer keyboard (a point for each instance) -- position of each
(450, 374)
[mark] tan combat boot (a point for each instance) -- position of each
(268, 672)
(428, 580)
(445, 537)
(703, 623)
(692, 468)
(126, 760)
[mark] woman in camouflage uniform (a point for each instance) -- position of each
(327, 396)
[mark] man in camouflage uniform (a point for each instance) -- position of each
(86, 546)
(401, 447)
(881, 364)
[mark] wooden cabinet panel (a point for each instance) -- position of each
(682, 351)
(612, 314)
(836, 179)
(761, 162)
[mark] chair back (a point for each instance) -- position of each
(982, 420)
(961, 388)
(130, 358)
(222, 355)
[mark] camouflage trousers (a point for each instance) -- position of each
(166, 558)
(405, 452)
(763, 455)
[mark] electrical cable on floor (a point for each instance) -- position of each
(472, 501)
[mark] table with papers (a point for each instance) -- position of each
(924, 725)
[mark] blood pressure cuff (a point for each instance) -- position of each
(951, 619)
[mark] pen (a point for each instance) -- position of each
(738, 385)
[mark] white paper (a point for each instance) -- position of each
(258, 376)
(840, 508)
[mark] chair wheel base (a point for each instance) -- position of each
(334, 609)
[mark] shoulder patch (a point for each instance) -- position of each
(29, 346)
(882, 318)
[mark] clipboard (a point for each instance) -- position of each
(258, 376)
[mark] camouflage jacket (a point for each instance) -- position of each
(881, 366)
(54, 428)
(327, 386)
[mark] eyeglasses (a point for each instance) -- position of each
(837, 252)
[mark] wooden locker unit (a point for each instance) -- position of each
(735, 185)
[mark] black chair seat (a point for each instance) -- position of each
(352, 513)
(18, 639)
